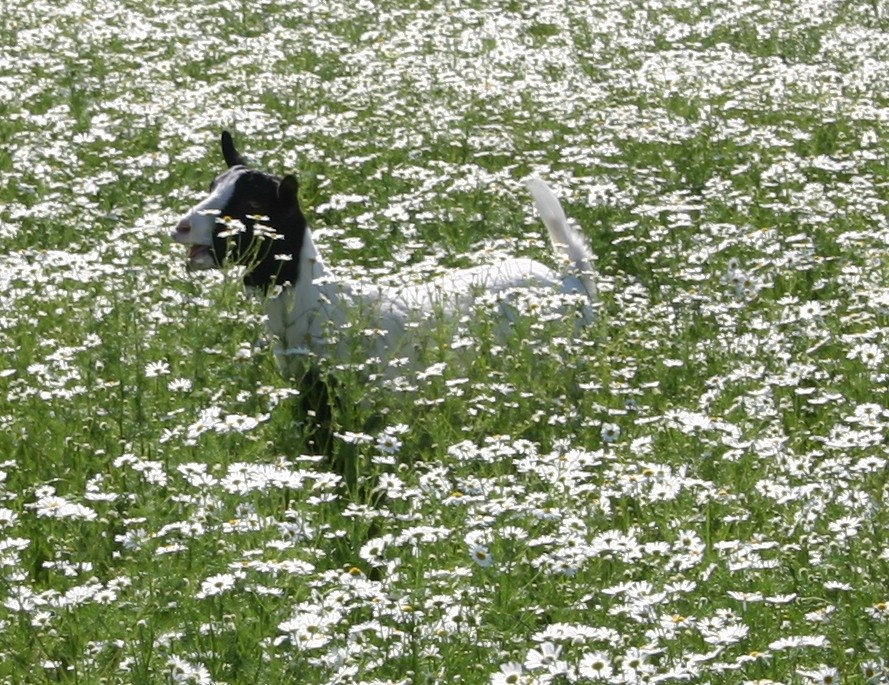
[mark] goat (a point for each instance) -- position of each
(254, 218)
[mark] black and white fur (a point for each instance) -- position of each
(306, 303)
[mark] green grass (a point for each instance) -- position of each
(691, 489)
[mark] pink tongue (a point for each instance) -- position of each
(195, 250)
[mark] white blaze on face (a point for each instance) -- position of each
(196, 227)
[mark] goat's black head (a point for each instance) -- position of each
(250, 218)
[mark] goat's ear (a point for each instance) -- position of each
(231, 155)
(287, 190)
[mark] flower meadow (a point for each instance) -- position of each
(691, 489)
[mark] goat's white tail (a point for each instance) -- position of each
(567, 242)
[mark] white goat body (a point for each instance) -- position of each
(308, 308)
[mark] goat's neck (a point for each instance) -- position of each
(301, 314)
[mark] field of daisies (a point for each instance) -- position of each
(691, 489)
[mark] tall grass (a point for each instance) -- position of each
(692, 489)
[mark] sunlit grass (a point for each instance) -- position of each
(692, 489)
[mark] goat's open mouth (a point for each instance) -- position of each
(200, 257)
